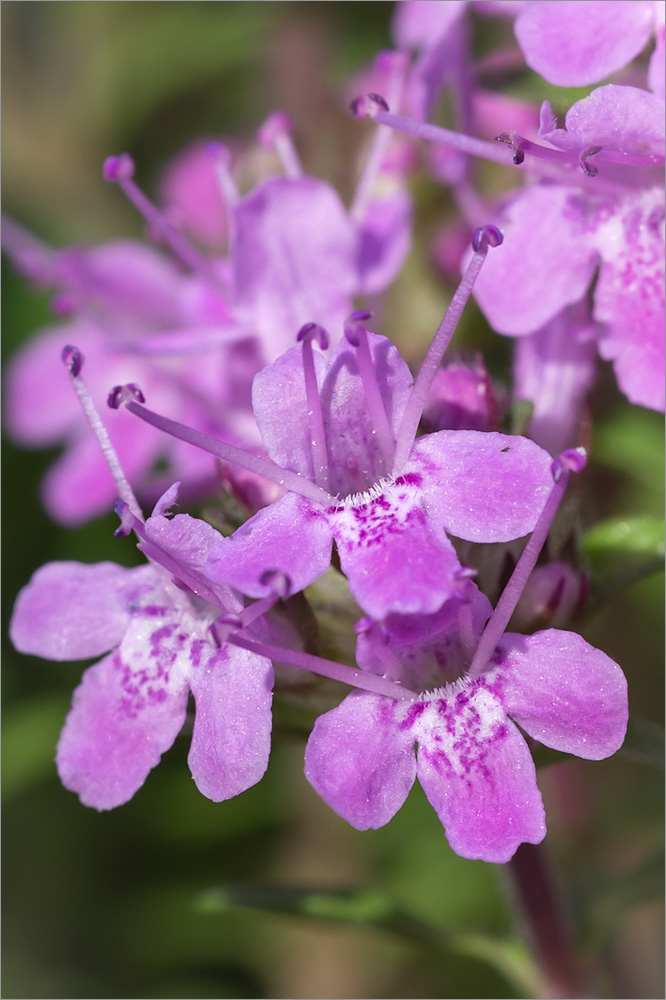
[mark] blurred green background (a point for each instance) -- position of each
(124, 904)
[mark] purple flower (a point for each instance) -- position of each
(132, 704)
(568, 233)
(471, 760)
(383, 512)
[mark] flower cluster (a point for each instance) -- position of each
(247, 343)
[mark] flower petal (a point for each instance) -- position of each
(360, 761)
(564, 692)
(378, 539)
(478, 775)
(294, 259)
(546, 262)
(233, 690)
(292, 535)
(580, 42)
(482, 487)
(120, 724)
(281, 408)
(71, 611)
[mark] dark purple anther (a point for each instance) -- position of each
(312, 331)
(73, 360)
(278, 581)
(231, 621)
(583, 158)
(118, 168)
(126, 519)
(351, 324)
(572, 460)
(486, 236)
(129, 393)
(368, 105)
(512, 139)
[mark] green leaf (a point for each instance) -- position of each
(369, 908)
(624, 549)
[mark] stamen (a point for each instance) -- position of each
(368, 106)
(546, 162)
(276, 132)
(583, 158)
(356, 333)
(326, 668)
(573, 460)
(189, 579)
(32, 257)
(227, 452)
(378, 639)
(73, 360)
(221, 157)
(487, 236)
(120, 170)
(396, 63)
(308, 333)
(280, 585)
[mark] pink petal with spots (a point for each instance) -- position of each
(233, 691)
(361, 761)
(72, 611)
(116, 732)
(292, 535)
(478, 775)
(482, 487)
(564, 692)
(629, 299)
(395, 557)
(545, 263)
(576, 42)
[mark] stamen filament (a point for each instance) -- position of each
(482, 239)
(326, 668)
(315, 415)
(73, 360)
(200, 586)
(221, 157)
(569, 461)
(28, 253)
(383, 651)
(120, 170)
(227, 452)
(397, 62)
(276, 132)
(357, 334)
(281, 587)
(561, 166)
